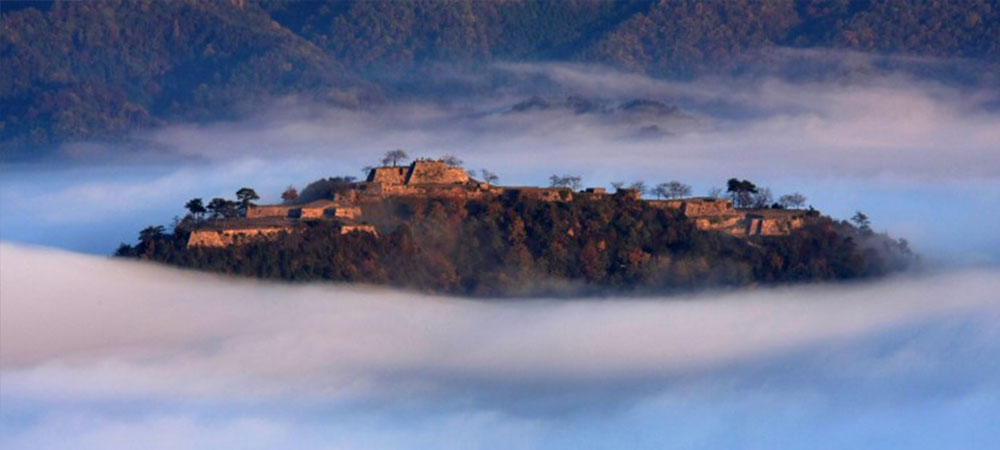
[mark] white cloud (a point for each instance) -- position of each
(213, 361)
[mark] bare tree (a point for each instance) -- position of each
(715, 192)
(640, 187)
(676, 189)
(661, 190)
(568, 181)
(762, 198)
(617, 185)
(488, 177)
(394, 157)
(452, 160)
(794, 200)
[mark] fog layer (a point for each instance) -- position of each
(96, 352)
(917, 155)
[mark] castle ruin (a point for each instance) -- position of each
(435, 178)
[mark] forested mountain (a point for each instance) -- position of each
(96, 69)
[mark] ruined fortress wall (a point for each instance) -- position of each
(436, 172)
(224, 237)
(539, 193)
(708, 207)
(434, 190)
(721, 223)
(389, 175)
(268, 211)
(311, 213)
(358, 229)
(666, 204)
(344, 212)
(780, 225)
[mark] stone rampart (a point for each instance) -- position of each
(259, 211)
(226, 237)
(436, 172)
(389, 175)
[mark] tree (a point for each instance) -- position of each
(488, 177)
(246, 196)
(394, 157)
(452, 160)
(661, 191)
(762, 198)
(860, 219)
(221, 207)
(672, 189)
(741, 191)
(617, 185)
(196, 207)
(291, 195)
(794, 200)
(150, 234)
(148, 238)
(715, 192)
(640, 187)
(567, 181)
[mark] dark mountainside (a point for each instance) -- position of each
(99, 70)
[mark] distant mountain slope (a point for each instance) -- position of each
(93, 69)
(84, 70)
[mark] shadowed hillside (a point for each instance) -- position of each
(97, 70)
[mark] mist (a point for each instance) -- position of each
(917, 154)
(97, 353)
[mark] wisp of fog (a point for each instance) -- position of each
(97, 351)
(919, 156)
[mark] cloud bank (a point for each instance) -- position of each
(917, 155)
(101, 352)
(880, 123)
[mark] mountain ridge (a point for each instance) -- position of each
(99, 70)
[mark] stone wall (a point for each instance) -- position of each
(227, 237)
(758, 225)
(707, 206)
(419, 172)
(268, 211)
(389, 175)
(436, 172)
(539, 193)
(358, 229)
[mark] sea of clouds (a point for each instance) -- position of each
(101, 353)
(918, 155)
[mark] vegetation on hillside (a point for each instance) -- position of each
(98, 69)
(512, 247)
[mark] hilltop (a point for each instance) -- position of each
(429, 225)
(101, 69)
